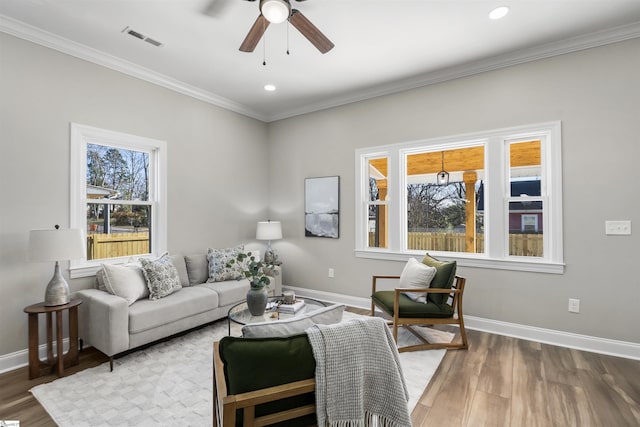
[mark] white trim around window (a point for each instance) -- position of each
(82, 135)
(496, 199)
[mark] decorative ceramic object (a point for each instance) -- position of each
(257, 300)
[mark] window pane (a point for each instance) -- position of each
(525, 168)
(377, 226)
(117, 230)
(446, 217)
(526, 228)
(118, 174)
(378, 179)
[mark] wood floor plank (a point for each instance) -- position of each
(497, 372)
(559, 365)
(529, 398)
(609, 407)
(452, 405)
(489, 410)
(569, 406)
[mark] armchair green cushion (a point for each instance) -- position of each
(256, 363)
(445, 274)
(409, 307)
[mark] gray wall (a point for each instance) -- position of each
(596, 95)
(216, 163)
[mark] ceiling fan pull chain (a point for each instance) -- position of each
(264, 48)
(288, 36)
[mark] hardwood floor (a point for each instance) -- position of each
(499, 381)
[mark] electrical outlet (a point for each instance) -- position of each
(574, 305)
(331, 273)
(617, 228)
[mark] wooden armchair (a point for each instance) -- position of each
(292, 402)
(407, 312)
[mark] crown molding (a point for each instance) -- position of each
(44, 38)
(548, 50)
(600, 38)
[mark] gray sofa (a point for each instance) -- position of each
(113, 324)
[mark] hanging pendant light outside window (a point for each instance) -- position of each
(443, 175)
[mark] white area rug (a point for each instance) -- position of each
(170, 383)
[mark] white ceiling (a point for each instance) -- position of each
(382, 46)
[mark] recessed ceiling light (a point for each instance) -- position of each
(269, 87)
(499, 12)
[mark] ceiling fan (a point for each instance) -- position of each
(277, 11)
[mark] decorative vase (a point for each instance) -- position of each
(257, 300)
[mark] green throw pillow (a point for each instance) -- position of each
(445, 274)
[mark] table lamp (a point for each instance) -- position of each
(56, 245)
(269, 230)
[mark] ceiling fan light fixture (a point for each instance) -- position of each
(499, 12)
(275, 11)
(269, 87)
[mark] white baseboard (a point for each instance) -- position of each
(624, 349)
(20, 358)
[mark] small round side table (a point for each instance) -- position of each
(57, 363)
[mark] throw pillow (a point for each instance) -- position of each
(181, 266)
(416, 275)
(125, 281)
(100, 280)
(197, 268)
(161, 276)
(445, 274)
(218, 259)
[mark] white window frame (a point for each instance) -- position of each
(81, 136)
(496, 198)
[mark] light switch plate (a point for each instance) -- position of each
(617, 228)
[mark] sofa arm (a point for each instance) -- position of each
(104, 321)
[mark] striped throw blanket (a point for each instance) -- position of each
(359, 380)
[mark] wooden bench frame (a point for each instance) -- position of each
(225, 405)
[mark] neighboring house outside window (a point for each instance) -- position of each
(118, 193)
(499, 206)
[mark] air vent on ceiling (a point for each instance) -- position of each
(139, 35)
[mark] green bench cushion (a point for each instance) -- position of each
(409, 307)
(255, 363)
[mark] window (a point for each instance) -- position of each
(491, 199)
(117, 196)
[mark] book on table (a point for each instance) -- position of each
(291, 308)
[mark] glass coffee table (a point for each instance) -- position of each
(239, 313)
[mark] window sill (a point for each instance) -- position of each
(515, 264)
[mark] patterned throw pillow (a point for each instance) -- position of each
(161, 276)
(218, 259)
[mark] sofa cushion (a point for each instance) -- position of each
(409, 307)
(125, 281)
(218, 260)
(445, 274)
(181, 267)
(294, 325)
(256, 363)
(416, 275)
(229, 292)
(162, 277)
(147, 314)
(197, 268)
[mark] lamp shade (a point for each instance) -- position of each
(56, 245)
(269, 230)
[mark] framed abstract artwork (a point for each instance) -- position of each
(322, 207)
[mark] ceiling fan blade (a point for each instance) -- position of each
(255, 34)
(310, 31)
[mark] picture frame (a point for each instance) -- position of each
(322, 207)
